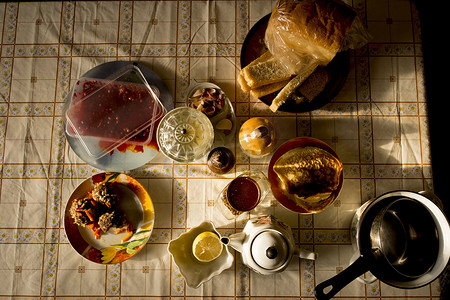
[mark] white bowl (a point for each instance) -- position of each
(196, 272)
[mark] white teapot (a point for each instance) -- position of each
(266, 244)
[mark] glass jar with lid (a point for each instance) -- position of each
(185, 134)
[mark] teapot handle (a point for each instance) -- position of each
(305, 254)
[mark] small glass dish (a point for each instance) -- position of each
(196, 272)
(243, 194)
(185, 134)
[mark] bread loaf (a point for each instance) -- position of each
(269, 88)
(315, 83)
(300, 36)
(265, 70)
(308, 27)
(243, 83)
(292, 85)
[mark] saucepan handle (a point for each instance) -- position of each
(330, 287)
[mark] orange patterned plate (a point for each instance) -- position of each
(110, 248)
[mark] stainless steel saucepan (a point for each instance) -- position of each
(403, 239)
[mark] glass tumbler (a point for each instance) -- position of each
(243, 194)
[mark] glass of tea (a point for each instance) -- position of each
(243, 193)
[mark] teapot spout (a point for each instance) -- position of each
(235, 241)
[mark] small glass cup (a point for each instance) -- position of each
(243, 194)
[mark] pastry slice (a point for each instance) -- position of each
(309, 175)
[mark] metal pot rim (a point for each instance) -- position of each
(442, 226)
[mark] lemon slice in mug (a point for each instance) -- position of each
(207, 246)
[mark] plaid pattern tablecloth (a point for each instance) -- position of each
(377, 125)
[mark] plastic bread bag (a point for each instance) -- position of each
(305, 32)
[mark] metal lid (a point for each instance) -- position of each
(221, 160)
(270, 249)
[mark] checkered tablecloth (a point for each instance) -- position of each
(377, 125)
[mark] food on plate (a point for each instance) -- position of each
(312, 86)
(209, 101)
(263, 71)
(207, 246)
(114, 218)
(308, 30)
(104, 193)
(268, 89)
(308, 175)
(83, 211)
(291, 86)
(100, 211)
(315, 84)
(300, 37)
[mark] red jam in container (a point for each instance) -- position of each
(106, 113)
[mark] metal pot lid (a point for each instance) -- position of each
(270, 250)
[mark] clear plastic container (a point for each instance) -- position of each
(106, 113)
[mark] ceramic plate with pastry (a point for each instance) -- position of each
(305, 175)
(296, 59)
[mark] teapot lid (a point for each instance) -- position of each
(270, 249)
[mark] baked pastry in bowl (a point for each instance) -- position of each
(305, 175)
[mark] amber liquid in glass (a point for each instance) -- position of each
(243, 194)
